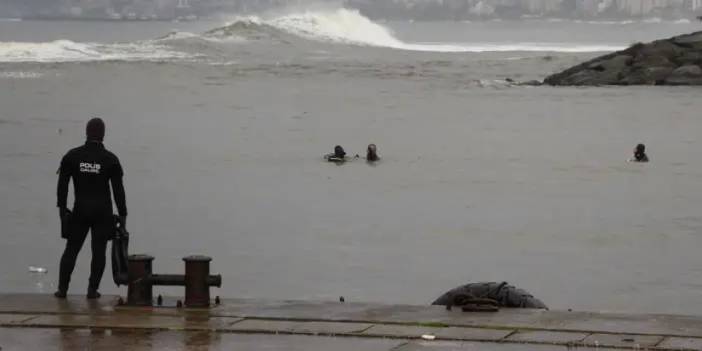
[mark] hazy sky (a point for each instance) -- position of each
(417, 9)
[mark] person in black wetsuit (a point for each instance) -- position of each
(372, 153)
(640, 154)
(339, 155)
(93, 169)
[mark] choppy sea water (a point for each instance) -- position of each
(221, 130)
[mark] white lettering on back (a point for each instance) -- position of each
(86, 167)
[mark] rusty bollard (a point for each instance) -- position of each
(139, 286)
(197, 286)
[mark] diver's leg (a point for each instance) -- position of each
(100, 232)
(74, 243)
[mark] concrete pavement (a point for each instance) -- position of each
(42, 322)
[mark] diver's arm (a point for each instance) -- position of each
(118, 190)
(62, 188)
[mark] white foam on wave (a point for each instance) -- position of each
(21, 75)
(69, 51)
(350, 27)
(604, 22)
(342, 25)
(512, 47)
(177, 36)
(653, 20)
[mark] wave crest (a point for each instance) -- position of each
(344, 26)
(244, 29)
(340, 26)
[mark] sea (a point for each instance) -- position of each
(221, 127)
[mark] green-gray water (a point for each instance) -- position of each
(222, 136)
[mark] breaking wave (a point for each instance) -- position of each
(343, 26)
(337, 26)
(69, 51)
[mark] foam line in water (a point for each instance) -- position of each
(69, 51)
(510, 47)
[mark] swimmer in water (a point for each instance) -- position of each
(339, 155)
(639, 154)
(372, 153)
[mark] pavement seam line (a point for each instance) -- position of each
(29, 319)
(514, 331)
(236, 322)
(364, 329)
(587, 335)
(399, 346)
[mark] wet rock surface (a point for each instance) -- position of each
(674, 61)
(504, 294)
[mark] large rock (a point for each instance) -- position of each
(647, 76)
(690, 58)
(685, 75)
(693, 40)
(504, 295)
(642, 61)
(674, 61)
(688, 71)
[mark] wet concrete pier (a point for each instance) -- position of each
(41, 322)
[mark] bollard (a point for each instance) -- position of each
(139, 285)
(197, 281)
(197, 287)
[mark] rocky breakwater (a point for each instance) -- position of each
(674, 61)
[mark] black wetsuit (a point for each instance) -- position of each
(92, 168)
(640, 157)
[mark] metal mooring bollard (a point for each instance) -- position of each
(198, 281)
(139, 285)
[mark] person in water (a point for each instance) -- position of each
(93, 170)
(372, 153)
(640, 154)
(338, 156)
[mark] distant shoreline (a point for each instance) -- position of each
(594, 20)
(99, 19)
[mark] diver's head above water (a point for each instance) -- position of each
(372, 153)
(640, 149)
(640, 153)
(339, 152)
